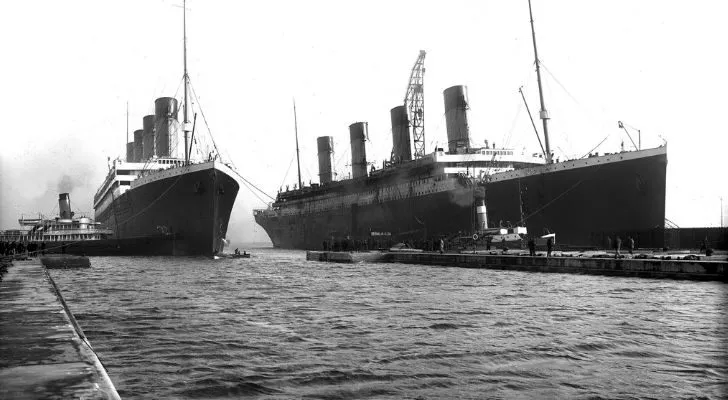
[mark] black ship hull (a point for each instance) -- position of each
(182, 211)
(583, 204)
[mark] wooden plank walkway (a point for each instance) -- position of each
(43, 352)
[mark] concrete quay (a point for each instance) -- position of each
(704, 269)
(43, 352)
(346, 256)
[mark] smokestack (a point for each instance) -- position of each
(165, 110)
(400, 134)
(456, 117)
(148, 138)
(325, 146)
(358, 137)
(130, 152)
(482, 215)
(138, 145)
(64, 206)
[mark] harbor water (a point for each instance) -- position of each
(276, 327)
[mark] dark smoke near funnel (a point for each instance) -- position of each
(66, 184)
(64, 206)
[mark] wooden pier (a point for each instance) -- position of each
(706, 268)
(43, 352)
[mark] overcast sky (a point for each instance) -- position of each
(68, 68)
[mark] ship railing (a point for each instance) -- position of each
(263, 211)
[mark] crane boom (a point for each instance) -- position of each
(414, 100)
(639, 134)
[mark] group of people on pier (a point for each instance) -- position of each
(13, 248)
(617, 245)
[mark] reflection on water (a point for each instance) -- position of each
(277, 326)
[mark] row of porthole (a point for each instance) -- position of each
(341, 205)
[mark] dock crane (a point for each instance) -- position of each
(414, 101)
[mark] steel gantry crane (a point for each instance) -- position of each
(414, 100)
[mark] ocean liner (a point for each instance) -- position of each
(464, 190)
(157, 203)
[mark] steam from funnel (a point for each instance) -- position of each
(358, 136)
(148, 137)
(456, 117)
(138, 145)
(64, 206)
(165, 110)
(401, 150)
(325, 145)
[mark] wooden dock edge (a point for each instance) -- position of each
(87, 350)
(643, 268)
(701, 270)
(45, 353)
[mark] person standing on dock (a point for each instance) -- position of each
(617, 246)
(549, 246)
(442, 246)
(630, 245)
(531, 246)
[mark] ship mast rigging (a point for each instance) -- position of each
(298, 154)
(624, 126)
(186, 78)
(530, 117)
(544, 114)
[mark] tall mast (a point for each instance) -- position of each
(543, 114)
(186, 78)
(298, 156)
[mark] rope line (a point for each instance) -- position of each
(194, 93)
(595, 147)
(255, 194)
(249, 183)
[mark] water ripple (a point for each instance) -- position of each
(276, 326)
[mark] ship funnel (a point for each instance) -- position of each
(325, 146)
(130, 152)
(358, 133)
(165, 110)
(138, 145)
(482, 216)
(148, 137)
(401, 150)
(456, 118)
(64, 206)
